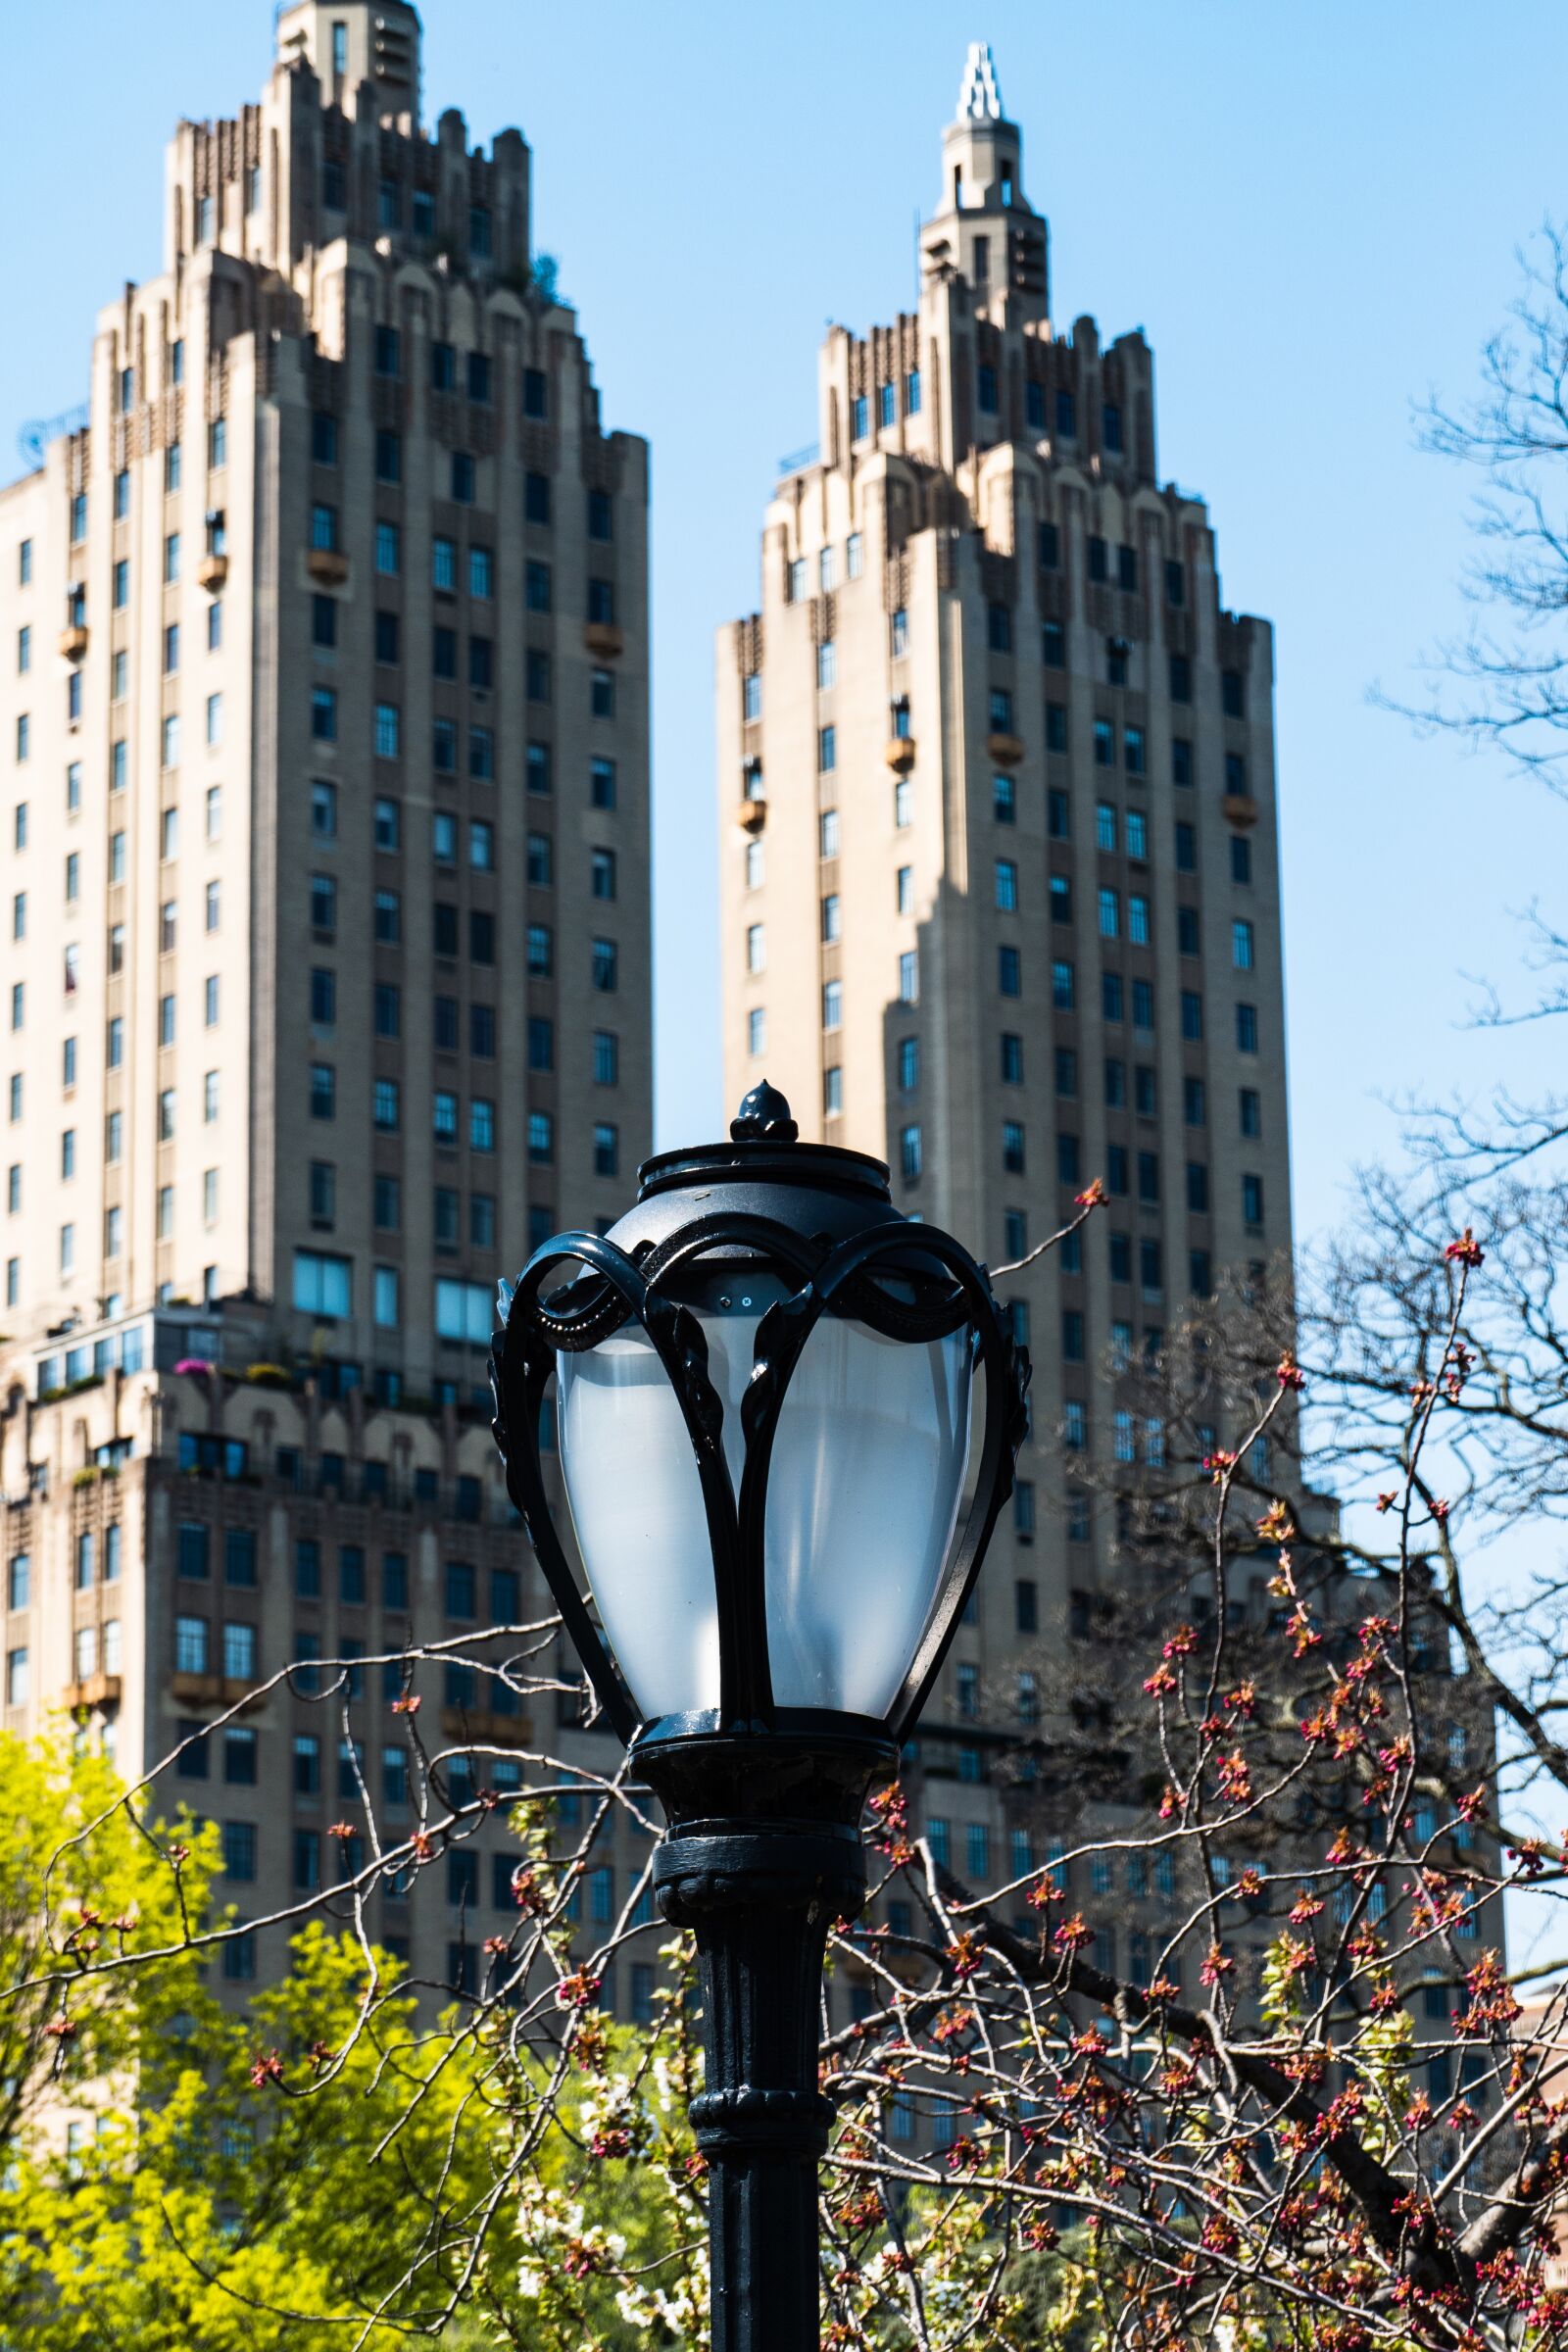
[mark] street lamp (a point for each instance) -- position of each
(763, 1408)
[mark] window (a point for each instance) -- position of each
(1250, 1109)
(757, 1031)
(909, 1065)
(1191, 1015)
(1006, 886)
(1012, 1058)
(1247, 1028)
(1013, 1146)
(605, 966)
(909, 976)
(1242, 957)
(323, 1091)
(1133, 750)
(985, 375)
(1138, 919)
(827, 664)
(388, 550)
(1241, 859)
(323, 997)
(827, 758)
(240, 1654)
(541, 1138)
(323, 1284)
(464, 1309)
(602, 874)
(756, 947)
(607, 1150)
(606, 1057)
(910, 1154)
(1180, 678)
(190, 1644)
(1110, 904)
(1003, 799)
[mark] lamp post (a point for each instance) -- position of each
(764, 1380)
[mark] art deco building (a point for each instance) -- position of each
(1000, 884)
(324, 947)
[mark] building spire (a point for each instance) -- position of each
(985, 230)
(979, 93)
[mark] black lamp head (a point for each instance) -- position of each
(764, 1413)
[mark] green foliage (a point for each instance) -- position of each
(171, 2173)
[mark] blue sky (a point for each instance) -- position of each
(1312, 212)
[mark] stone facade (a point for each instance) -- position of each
(325, 951)
(1000, 875)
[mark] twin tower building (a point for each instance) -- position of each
(325, 934)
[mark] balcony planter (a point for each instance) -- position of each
(211, 572)
(604, 638)
(1004, 750)
(95, 1690)
(900, 754)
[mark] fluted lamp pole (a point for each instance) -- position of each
(781, 1495)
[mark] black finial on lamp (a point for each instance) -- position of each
(763, 1117)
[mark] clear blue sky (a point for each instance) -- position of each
(1312, 212)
